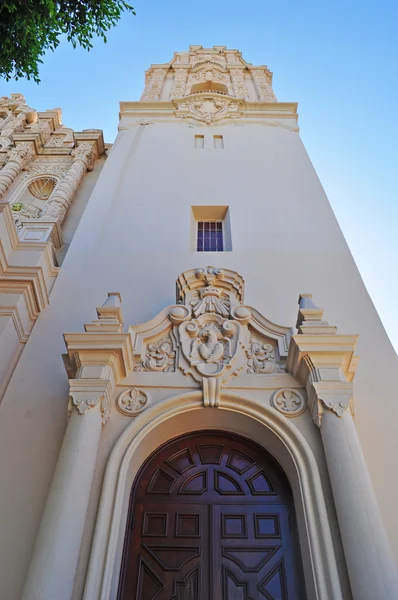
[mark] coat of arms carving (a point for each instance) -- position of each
(208, 108)
(209, 344)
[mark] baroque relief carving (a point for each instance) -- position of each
(54, 166)
(211, 301)
(19, 158)
(213, 336)
(41, 188)
(154, 86)
(84, 159)
(289, 402)
(264, 90)
(179, 83)
(239, 85)
(208, 74)
(208, 109)
(210, 343)
(132, 402)
(200, 57)
(262, 360)
(160, 356)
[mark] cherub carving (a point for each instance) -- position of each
(261, 358)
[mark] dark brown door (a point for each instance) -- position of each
(211, 518)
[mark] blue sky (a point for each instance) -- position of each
(338, 59)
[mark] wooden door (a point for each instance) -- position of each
(211, 518)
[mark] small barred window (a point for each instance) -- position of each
(210, 236)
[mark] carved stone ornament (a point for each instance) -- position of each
(328, 397)
(203, 57)
(132, 402)
(261, 359)
(211, 301)
(160, 356)
(86, 400)
(289, 402)
(208, 108)
(210, 343)
(209, 334)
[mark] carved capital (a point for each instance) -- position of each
(330, 396)
(23, 154)
(89, 394)
(86, 153)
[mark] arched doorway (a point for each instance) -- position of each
(211, 518)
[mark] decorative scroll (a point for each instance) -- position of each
(262, 359)
(160, 357)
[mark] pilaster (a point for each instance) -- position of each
(57, 206)
(238, 82)
(324, 362)
(96, 359)
(154, 86)
(19, 158)
(263, 85)
(180, 81)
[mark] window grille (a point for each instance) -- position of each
(210, 236)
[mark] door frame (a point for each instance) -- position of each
(179, 415)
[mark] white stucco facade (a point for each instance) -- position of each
(136, 235)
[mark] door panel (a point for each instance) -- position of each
(209, 520)
(252, 553)
(172, 543)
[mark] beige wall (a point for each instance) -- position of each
(134, 238)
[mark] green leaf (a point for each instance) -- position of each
(28, 28)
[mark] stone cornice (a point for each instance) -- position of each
(92, 135)
(52, 117)
(272, 110)
(336, 351)
(33, 138)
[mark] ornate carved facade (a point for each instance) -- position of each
(34, 144)
(212, 86)
(42, 164)
(210, 66)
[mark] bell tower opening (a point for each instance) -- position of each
(209, 86)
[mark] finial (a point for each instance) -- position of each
(110, 316)
(309, 318)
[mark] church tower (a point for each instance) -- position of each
(224, 426)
